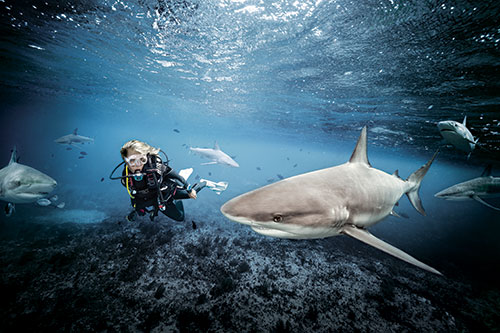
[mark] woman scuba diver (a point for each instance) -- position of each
(152, 184)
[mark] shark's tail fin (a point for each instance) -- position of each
(415, 180)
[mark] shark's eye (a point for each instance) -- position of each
(277, 218)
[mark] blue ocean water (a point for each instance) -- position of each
(284, 86)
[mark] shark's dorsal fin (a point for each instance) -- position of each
(13, 156)
(75, 131)
(487, 171)
(216, 146)
(359, 155)
(465, 121)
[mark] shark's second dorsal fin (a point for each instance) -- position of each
(75, 131)
(465, 121)
(359, 155)
(216, 146)
(13, 156)
(487, 171)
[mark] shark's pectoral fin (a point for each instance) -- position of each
(364, 236)
(475, 197)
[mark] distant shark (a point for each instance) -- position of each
(345, 199)
(73, 139)
(458, 135)
(216, 155)
(22, 184)
(485, 186)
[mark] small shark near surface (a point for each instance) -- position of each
(485, 186)
(216, 155)
(22, 184)
(458, 135)
(73, 139)
(345, 199)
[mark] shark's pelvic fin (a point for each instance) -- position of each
(416, 179)
(478, 199)
(396, 173)
(13, 156)
(366, 237)
(208, 163)
(216, 146)
(393, 213)
(359, 155)
(487, 171)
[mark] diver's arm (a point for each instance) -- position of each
(174, 175)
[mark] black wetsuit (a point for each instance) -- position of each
(145, 192)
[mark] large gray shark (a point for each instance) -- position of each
(73, 139)
(216, 155)
(485, 186)
(22, 184)
(458, 135)
(345, 199)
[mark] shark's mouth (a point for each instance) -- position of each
(446, 130)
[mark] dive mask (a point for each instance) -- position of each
(136, 160)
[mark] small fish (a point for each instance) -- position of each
(184, 145)
(280, 176)
(193, 224)
(209, 173)
(43, 202)
(10, 209)
(300, 149)
(61, 205)
(51, 155)
(80, 157)
(54, 198)
(69, 148)
(102, 179)
(258, 168)
(176, 130)
(197, 177)
(295, 165)
(83, 153)
(288, 158)
(270, 180)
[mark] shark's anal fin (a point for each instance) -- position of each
(478, 199)
(366, 237)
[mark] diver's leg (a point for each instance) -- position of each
(175, 211)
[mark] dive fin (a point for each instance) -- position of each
(359, 154)
(416, 179)
(216, 187)
(366, 237)
(185, 173)
(478, 199)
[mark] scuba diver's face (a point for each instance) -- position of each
(135, 160)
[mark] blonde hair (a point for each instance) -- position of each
(141, 147)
